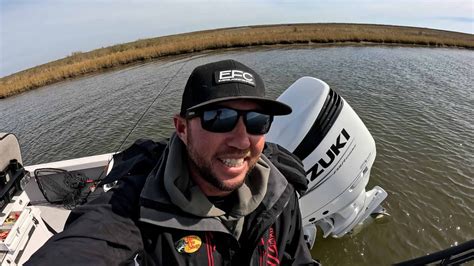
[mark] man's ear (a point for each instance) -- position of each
(180, 125)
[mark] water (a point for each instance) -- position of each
(417, 103)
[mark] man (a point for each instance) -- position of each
(208, 196)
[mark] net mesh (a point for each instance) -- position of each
(63, 187)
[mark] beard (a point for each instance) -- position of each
(204, 169)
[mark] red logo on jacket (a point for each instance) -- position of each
(269, 249)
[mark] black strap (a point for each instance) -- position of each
(288, 164)
(51, 229)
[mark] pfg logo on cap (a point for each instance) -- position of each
(234, 75)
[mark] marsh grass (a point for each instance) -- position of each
(79, 63)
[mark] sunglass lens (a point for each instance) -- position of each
(219, 120)
(258, 123)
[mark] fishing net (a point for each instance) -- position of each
(63, 187)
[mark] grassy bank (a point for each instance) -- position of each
(79, 64)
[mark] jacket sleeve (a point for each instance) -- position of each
(102, 232)
(296, 250)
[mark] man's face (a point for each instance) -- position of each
(220, 162)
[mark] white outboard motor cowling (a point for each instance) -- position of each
(337, 151)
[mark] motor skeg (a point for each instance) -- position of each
(337, 151)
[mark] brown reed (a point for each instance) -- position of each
(79, 63)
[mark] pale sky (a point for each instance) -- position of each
(34, 32)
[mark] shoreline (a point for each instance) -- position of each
(81, 64)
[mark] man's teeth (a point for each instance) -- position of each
(233, 162)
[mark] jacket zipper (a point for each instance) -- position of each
(267, 227)
(261, 252)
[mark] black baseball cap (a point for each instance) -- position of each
(223, 81)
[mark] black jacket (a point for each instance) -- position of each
(122, 227)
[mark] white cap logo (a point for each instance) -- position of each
(235, 76)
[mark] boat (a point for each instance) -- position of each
(336, 148)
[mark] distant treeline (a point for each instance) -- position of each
(81, 63)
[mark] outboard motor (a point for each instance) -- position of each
(337, 151)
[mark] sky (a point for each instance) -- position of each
(35, 32)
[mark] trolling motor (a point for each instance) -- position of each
(337, 151)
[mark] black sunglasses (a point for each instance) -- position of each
(224, 119)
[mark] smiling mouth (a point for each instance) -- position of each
(233, 162)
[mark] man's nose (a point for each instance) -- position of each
(240, 138)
